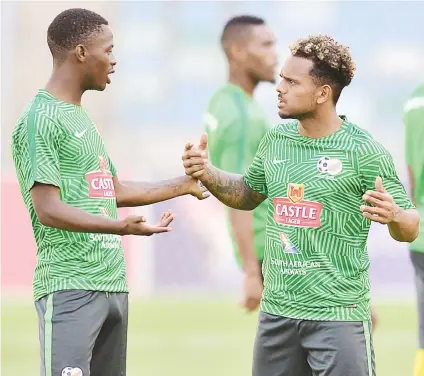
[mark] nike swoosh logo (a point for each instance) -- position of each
(80, 134)
(277, 161)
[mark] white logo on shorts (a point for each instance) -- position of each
(69, 371)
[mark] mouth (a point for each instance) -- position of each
(108, 78)
(281, 102)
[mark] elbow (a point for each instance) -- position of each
(45, 218)
(46, 215)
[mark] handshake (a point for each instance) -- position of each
(195, 158)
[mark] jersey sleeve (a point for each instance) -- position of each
(44, 137)
(381, 164)
(111, 166)
(254, 176)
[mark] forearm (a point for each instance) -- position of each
(405, 227)
(231, 189)
(242, 227)
(66, 217)
(132, 194)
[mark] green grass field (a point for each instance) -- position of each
(197, 337)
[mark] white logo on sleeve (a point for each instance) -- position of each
(69, 371)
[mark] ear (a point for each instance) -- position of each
(238, 52)
(324, 94)
(81, 53)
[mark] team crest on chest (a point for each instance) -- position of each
(330, 166)
(295, 192)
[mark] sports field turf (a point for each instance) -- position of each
(197, 337)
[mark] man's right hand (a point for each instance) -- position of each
(136, 225)
(195, 158)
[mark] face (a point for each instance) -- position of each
(261, 55)
(98, 59)
(298, 93)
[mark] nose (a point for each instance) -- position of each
(113, 61)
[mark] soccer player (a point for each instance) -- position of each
(326, 180)
(235, 124)
(72, 192)
(414, 135)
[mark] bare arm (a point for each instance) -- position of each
(404, 227)
(230, 189)
(242, 226)
(130, 194)
(53, 212)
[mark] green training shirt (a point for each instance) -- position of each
(235, 124)
(316, 261)
(57, 143)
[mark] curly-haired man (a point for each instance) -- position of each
(326, 180)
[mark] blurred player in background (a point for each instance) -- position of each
(236, 124)
(72, 192)
(325, 179)
(414, 148)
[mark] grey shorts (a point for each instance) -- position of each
(417, 259)
(290, 347)
(83, 333)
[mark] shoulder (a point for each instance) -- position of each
(283, 130)
(364, 142)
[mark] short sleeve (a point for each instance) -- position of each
(44, 139)
(255, 173)
(381, 164)
(112, 167)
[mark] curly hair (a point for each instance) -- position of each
(333, 63)
(72, 27)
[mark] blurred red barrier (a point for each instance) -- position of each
(18, 248)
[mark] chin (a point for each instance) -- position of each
(285, 115)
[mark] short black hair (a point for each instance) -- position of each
(72, 27)
(236, 28)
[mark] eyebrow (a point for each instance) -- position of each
(288, 78)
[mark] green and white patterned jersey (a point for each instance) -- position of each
(316, 261)
(57, 143)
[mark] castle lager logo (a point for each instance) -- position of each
(100, 181)
(293, 210)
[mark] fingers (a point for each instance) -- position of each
(375, 218)
(166, 219)
(203, 141)
(379, 185)
(250, 303)
(158, 229)
(188, 146)
(377, 195)
(194, 162)
(193, 154)
(373, 210)
(195, 171)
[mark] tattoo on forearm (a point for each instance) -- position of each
(232, 190)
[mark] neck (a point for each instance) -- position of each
(65, 84)
(320, 124)
(238, 77)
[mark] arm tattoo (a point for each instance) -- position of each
(231, 189)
